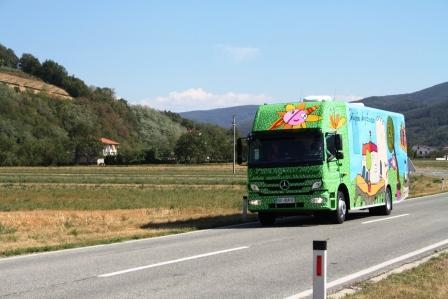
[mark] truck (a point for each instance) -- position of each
(324, 158)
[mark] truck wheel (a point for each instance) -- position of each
(387, 208)
(266, 218)
(383, 210)
(341, 210)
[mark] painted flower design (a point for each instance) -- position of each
(337, 121)
(295, 117)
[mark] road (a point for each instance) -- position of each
(247, 261)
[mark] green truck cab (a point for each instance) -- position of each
(324, 158)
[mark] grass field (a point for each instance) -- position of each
(45, 208)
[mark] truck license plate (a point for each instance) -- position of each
(281, 200)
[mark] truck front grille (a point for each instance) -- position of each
(294, 186)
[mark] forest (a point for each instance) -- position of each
(37, 129)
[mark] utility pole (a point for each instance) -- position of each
(234, 142)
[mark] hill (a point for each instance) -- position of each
(425, 112)
(223, 117)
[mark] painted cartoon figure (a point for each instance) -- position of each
(295, 117)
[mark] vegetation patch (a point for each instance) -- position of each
(62, 207)
(426, 281)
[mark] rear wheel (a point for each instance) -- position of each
(266, 218)
(341, 210)
(387, 208)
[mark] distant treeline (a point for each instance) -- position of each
(37, 129)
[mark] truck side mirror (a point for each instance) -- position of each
(338, 142)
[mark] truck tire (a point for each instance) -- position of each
(386, 208)
(266, 219)
(341, 209)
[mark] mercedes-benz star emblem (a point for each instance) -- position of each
(284, 185)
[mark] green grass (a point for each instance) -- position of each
(110, 198)
(4, 230)
(144, 175)
(99, 188)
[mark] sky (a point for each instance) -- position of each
(197, 55)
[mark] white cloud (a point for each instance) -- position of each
(239, 54)
(347, 98)
(200, 99)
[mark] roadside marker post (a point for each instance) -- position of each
(319, 269)
(244, 216)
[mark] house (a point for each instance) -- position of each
(422, 151)
(110, 147)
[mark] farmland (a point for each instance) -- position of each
(47, 208)
(44, 208)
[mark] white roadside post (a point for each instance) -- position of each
(319, 269)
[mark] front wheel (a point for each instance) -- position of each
(341, 210)
(266, 218)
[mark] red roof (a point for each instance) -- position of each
(108, 141)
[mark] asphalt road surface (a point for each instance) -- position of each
(247, 261)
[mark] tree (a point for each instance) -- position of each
(53, 73)
(8, 58)
(191, 148)
(75, 87)
(30, 64)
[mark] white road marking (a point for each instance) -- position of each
(369, 270)
(384, 219)
(172, 261)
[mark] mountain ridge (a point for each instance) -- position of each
(425, 114)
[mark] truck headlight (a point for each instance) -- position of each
(316, 185)
(317, 200)
(254, 187)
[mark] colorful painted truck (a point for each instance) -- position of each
(325, 158)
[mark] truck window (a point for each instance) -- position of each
(333, 145)
(302, 147)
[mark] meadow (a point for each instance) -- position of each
(47, 208)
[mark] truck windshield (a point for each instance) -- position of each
(286, 148)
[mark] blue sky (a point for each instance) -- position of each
(196, 55)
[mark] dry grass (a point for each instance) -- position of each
(25, 231)
(426, 281)
(45, 208)
(24, 82)
(425, 185)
